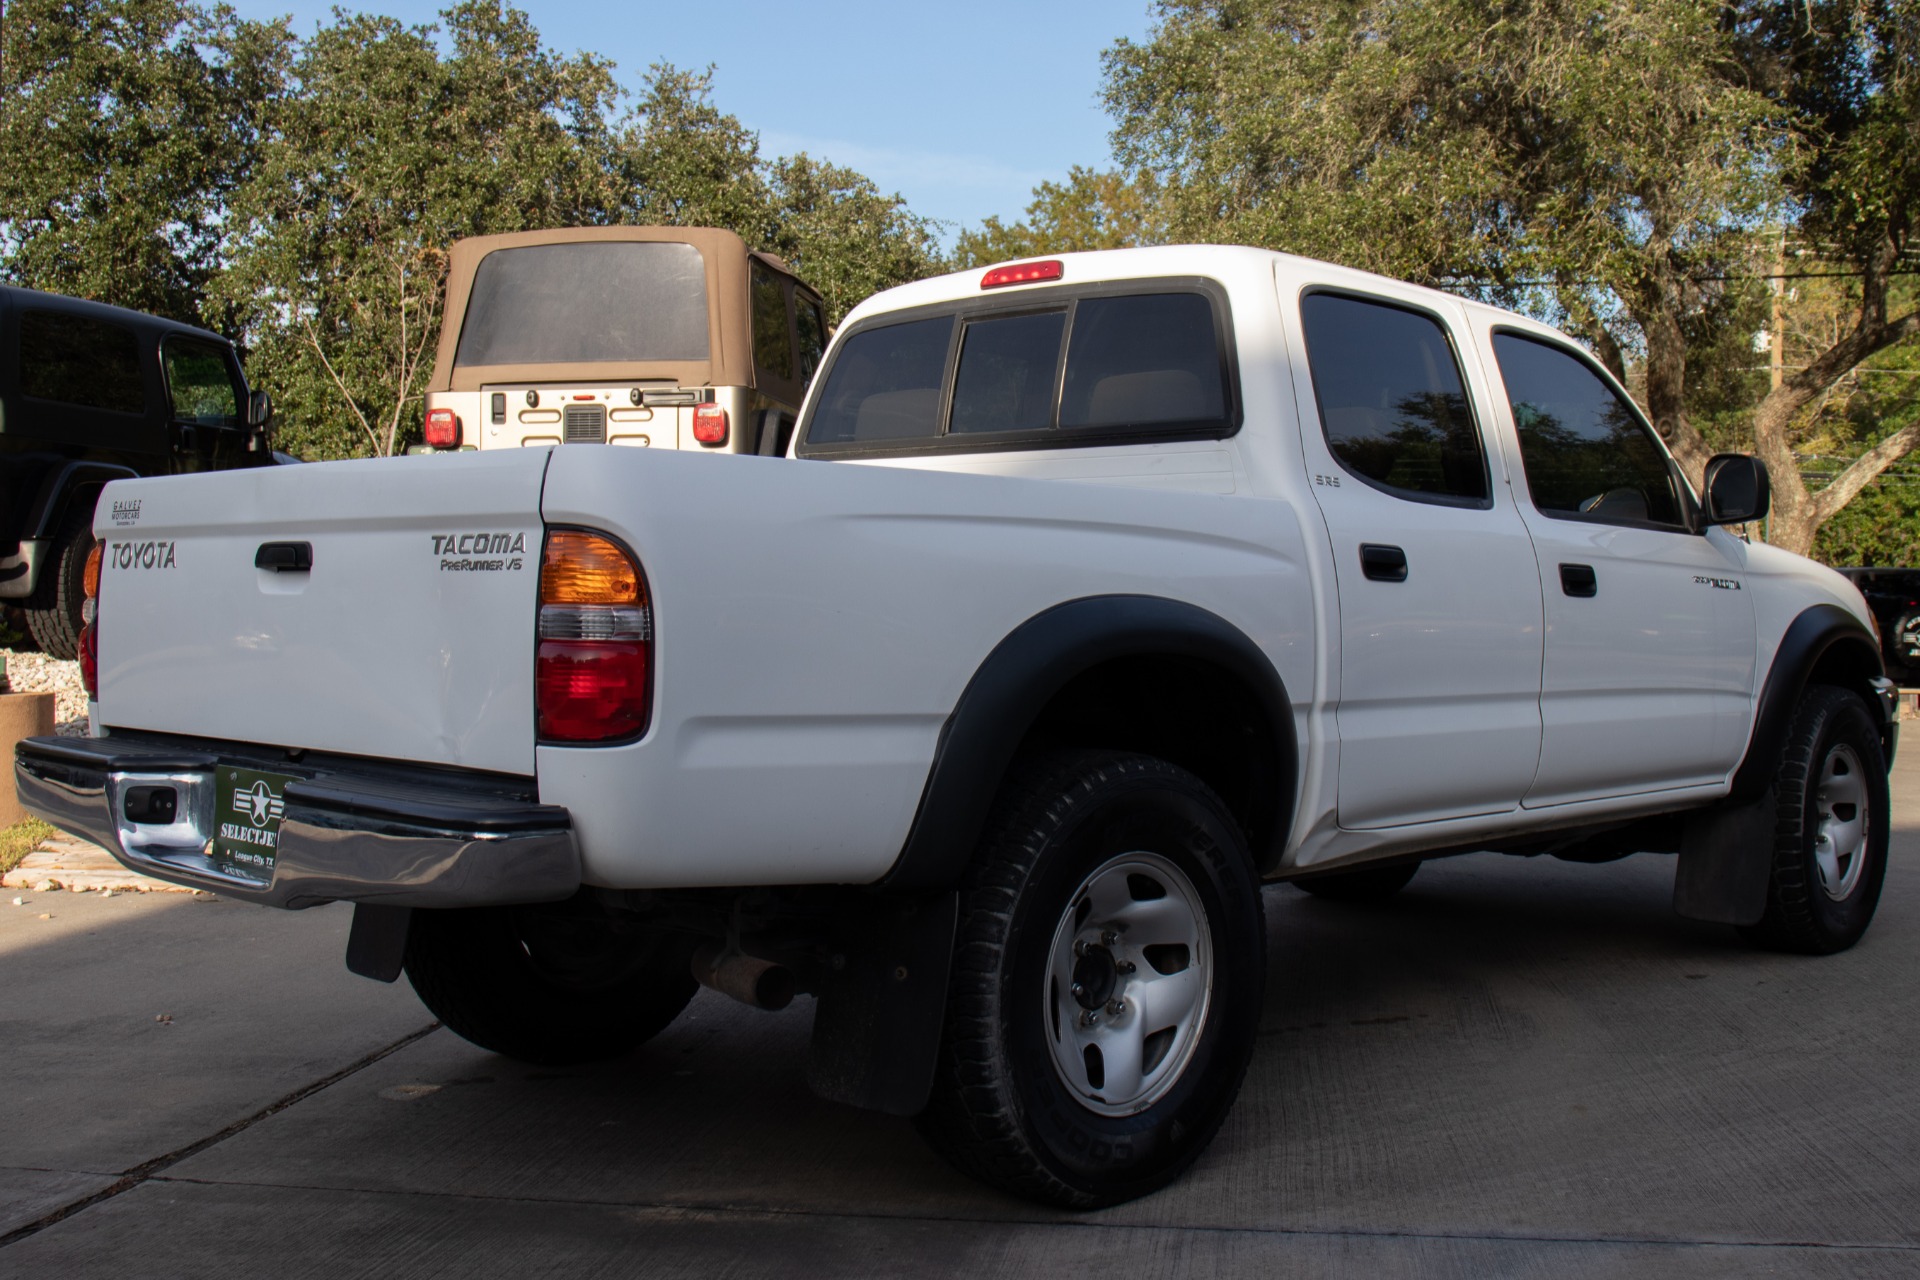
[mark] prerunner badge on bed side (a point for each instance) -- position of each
(463, 552)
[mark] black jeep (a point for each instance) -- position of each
(1894, 597)
(91, 393)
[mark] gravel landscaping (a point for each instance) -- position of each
(37, 673)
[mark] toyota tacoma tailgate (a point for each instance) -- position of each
(374, 608)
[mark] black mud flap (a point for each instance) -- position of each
(1726, 858)
(879, 1013)
(377, 945)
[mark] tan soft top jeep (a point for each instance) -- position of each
(669, 337)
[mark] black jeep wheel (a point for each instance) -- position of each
(1108, 980)
(548, 985)
(1831, 813)
(53, 610)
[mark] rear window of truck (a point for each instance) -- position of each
(586, 301)
(1045, 370)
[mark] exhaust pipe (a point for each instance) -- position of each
(760, 983)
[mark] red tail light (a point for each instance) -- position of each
(593, 677)
(443, 429)
(90, 615)
(709, 424)
(1023, 273)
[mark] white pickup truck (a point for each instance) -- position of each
(1104, 589)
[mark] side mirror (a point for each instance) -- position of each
(1738, 489)
(259, 409)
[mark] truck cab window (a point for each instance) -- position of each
(1006, 376)
(81, 361)
(885, 385)
(1392, 403)
(1586, 453)
(1143, 359)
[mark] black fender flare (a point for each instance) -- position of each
(1023, 673)
(1820, 635)
(56, 493)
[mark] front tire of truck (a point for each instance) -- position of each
(1108, 978)
(548, 985)
(1831, 815)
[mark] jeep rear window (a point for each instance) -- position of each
(586, 301)
(1048, 372)
(82, 361)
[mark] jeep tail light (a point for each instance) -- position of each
(593, 677)
(709, 424)
(90, 618)
(443, 429)
(1023, 273)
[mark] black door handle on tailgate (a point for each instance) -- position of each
(1383, 563)
(284, 557)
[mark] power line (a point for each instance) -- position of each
(1471, 282)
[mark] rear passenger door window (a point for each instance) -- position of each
(1106, 364)
(1392, 404)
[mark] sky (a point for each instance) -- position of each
(959, 107)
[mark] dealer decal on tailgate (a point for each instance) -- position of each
(247, 835)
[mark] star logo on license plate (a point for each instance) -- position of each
(258, 803)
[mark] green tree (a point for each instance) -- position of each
(384, 153)
(1615, 163)
(1092, 209)
(687, 163)
(125, 125)
(843, 235)
(386, 150)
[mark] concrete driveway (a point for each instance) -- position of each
(1519, 1067)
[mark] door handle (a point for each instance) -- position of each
(1579, 580)
(284, 557)
(1383, 563)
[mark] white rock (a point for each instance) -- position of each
(37, 673)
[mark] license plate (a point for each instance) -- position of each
(248, 809)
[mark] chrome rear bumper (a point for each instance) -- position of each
(341, 838)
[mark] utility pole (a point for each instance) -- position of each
(1777, 338)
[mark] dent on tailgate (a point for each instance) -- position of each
(410, 637)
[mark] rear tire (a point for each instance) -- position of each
(1369, 884)
(548, 985)
(53, 610)
(1831, 817)
(1108, 979)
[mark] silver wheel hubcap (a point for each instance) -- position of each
(1128, 980)
(1840, 836)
